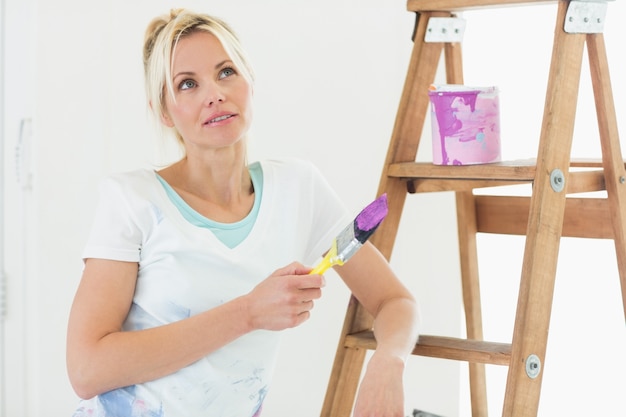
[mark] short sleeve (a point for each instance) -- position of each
(115, 233)
(330, 215)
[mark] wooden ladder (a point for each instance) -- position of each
(548, 214)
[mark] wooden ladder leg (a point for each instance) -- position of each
(347, 368)
(346, 371)
(544, 224)
(468, 255)
(466, 221)
(612, 160)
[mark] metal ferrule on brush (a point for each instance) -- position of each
(347, 244)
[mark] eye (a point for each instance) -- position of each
(226, 72)
(186, 84)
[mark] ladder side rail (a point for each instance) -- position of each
(545, 224)
(468, 257)
(408, 128)
(612, 160)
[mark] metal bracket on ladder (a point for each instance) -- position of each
(586, 16)
(445, 29)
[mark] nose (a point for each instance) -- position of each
(214, 95)
(214, 100)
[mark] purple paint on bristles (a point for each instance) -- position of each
(373, 214)
(369, 218)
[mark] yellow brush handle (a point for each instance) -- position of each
(331, 259)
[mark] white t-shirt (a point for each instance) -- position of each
(185, 270)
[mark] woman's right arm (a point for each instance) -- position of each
(102, 357)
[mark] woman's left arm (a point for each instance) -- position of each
(396, 326)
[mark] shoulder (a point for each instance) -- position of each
(130, 178)
(135, 181)
(135, 188)
(290, 167)
(294, 176)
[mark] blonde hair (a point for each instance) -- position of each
(161, 37)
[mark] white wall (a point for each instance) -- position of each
(329, 79)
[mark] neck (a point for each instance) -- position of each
(223, 180)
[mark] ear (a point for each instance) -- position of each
(165, 119)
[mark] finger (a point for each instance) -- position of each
(294, 268)
(302, 317)
(310, 294)
(306, 308)
(307, 305)
(304, 282)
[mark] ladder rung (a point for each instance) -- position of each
(475, 351)
(517, 171)
(586, 181)
(583, 217)
(459, 5)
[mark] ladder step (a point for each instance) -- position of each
(516, 170)
(427, 177)
(459, 5)
(475, 351)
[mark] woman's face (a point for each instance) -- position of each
(212, 106)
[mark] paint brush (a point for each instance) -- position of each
(354, 235)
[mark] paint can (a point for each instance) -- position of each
(465, 124)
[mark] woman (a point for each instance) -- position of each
(191, 271)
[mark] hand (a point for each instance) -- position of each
(381, 393)
(284, 299)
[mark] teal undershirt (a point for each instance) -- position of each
(230, 234)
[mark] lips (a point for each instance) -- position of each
(219, 118)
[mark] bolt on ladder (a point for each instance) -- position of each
(550, 212)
